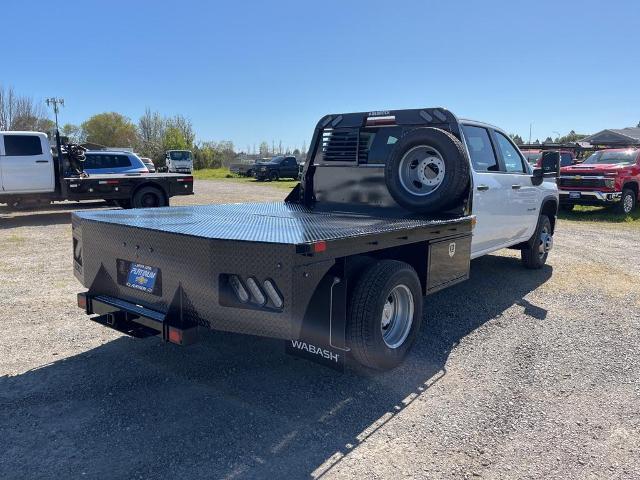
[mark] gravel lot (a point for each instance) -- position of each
(516, 374)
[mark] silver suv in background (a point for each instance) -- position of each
(100, 162)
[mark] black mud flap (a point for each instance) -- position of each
(324, 355)
(322, 338)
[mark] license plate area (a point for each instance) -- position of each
(575, 195)
(140, 277)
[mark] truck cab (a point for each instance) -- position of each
(26, 163)
(507, 201)
(179, 161)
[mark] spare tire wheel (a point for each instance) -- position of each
(427, 171)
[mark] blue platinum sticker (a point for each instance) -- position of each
(142, 277)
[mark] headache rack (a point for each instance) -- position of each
(343, 141)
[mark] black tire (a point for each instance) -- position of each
(628, 201)
(366, 306)
(532, 254)
(148, 197)
(450, 188)
(567, 207)
(273, 176)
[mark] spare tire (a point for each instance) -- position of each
(428, 171)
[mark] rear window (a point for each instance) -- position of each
(22, 145)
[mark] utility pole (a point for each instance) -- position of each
(56, 103)
(530, 127)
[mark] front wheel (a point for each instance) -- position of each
(384, 316)
(628, 201)
(536, 251)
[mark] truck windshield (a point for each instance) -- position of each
(612, 156)
(277, 159)
(180, 155)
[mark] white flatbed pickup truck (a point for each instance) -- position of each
(30, 175)
(391, 207)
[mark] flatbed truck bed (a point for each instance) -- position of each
(196, 251)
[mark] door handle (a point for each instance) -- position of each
(516, 187)
(482, 188)
(42, 161)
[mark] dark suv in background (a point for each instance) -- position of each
(277, 167)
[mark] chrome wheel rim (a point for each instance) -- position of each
(397, 316)
(546, 242)
(421, 170)
(627, 204)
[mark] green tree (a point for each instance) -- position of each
(110, 129)
(72, 132)
(173, 139)
(571, 137)
(151, 128)
(517, 139)
(183, 124)
(264, 149)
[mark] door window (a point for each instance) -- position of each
(510, 156)
(480, 149)
(22, 145)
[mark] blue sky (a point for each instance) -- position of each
(253, 71)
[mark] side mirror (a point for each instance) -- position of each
(537, 177)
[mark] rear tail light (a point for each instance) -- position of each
(273, 294)
(238, 288)
(256, 293)
(249, 292)
(82, 301)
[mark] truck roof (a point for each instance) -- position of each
(24, 132)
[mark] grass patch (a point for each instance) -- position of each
(583, 213)
(225, 174)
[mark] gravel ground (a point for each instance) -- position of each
(516, 374)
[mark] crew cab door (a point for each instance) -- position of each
(523, 197)
(489, 192)
(26, 163)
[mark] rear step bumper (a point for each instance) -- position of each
(135, 320)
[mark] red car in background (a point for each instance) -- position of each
(606, 177)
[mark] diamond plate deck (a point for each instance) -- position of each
(276, 222)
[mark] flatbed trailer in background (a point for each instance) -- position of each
(31, 175)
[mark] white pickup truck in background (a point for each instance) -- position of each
(31, 175)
